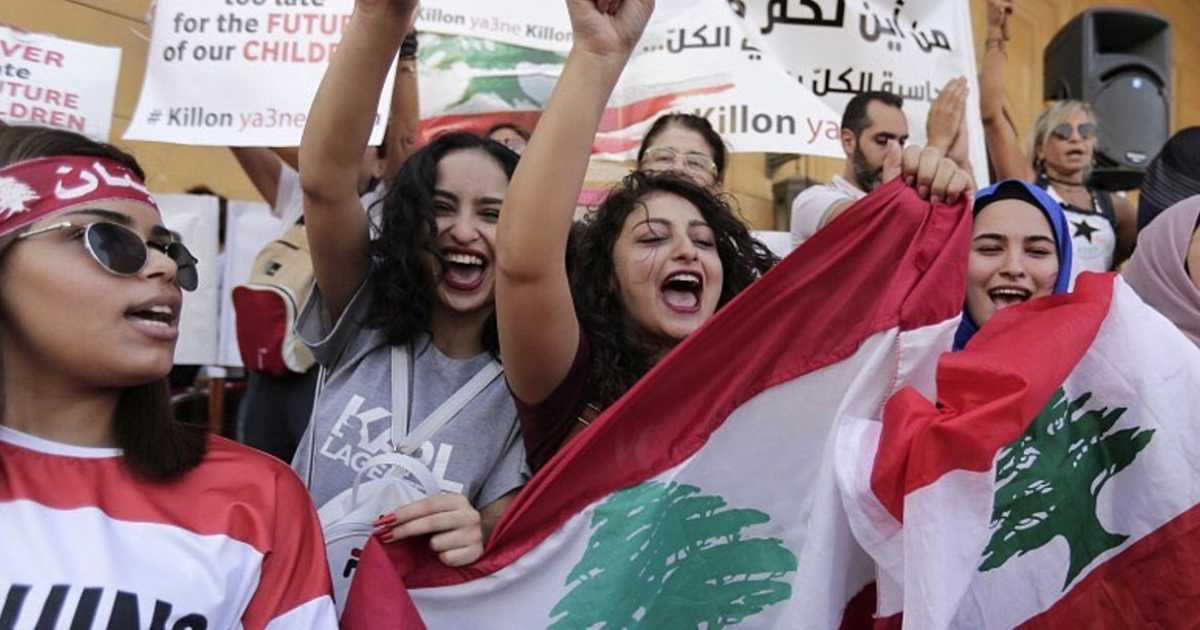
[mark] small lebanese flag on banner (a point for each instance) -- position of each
(706, 496)
(1056, 484)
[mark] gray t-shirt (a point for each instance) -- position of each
(478, 453)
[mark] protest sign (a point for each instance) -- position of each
(54, 82)
(239, 72)
(838, 49)
(540, 25)
(765, 78)
(196, 220)
(473, 82)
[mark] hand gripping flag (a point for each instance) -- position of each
(705, 497)
(1056, 483)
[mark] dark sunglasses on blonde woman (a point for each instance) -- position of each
(1064, 131)
(122, 251)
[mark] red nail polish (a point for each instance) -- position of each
(378, 532)
(384, 520)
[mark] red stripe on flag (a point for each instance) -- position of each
(1002, 380)
(908, 265)
(860, 613)
(613, 119)
(381, 569)
(1154, 583)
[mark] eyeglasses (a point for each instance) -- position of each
(1064, 131)
(122, 251)
(666, 157)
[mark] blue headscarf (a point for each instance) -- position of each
(1017, 189)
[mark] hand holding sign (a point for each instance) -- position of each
(609, 28)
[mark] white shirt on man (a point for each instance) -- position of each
(811, 207)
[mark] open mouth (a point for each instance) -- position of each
(1004, 297)
(464, 271)
(158, 321)
(159, 315)
(681, 291)
(1075, 154)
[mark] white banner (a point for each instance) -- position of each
(838, 49)
(195, 218)
(238, 72)
(54, 82)
(775, 83)
(474, 82)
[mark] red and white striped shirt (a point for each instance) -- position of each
(233, 543)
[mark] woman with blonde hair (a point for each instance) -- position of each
(1059, 158)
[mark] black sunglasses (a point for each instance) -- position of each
(122, 251)
(1063, 132)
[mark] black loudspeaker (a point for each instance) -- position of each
(1119, 61)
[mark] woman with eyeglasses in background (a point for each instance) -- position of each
(686, 144)
(112, 512)
(1103, 226)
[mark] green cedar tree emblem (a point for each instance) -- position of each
(443, 52)
(1048, 481)
(665, 556)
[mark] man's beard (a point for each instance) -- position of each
(868, 178)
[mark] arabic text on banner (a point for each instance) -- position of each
(785, 69)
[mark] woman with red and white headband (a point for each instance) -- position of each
(112, 513)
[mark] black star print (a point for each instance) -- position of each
(1084, 229)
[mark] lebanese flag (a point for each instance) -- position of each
(706, 495)
(1056, 483)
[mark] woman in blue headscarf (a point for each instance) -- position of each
(1020, 250)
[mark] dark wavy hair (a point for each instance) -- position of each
(156, 446)
(620, 352)
(692, 122)
(403, 295)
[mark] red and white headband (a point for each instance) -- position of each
(34, 189)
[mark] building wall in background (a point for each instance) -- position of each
(175, 168)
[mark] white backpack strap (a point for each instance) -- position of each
(401, 375)
(426, 482)
(309, 431)
(451, 407)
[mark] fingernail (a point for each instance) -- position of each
(378, 532)
(935, 199)
(923, 191)
(385, 519)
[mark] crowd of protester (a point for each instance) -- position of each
(453, 281)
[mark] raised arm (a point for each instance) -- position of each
(262, 167)
(1003, 145)
(1126, 228)
(339, 126)
(405, 111)
(539, 330)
